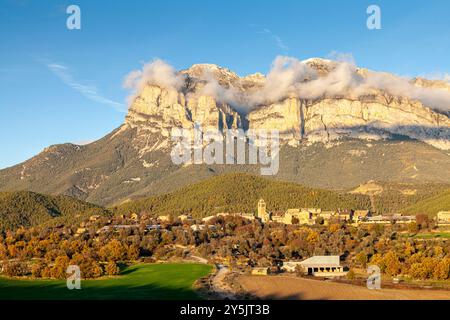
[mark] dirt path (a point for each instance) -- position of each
(219, 285)
(284, 287)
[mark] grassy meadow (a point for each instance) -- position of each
(138, 282)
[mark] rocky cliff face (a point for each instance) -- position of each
(374, 115)
(329, 119)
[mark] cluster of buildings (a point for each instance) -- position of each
(299, 216)
(306, 216)
(310, 216)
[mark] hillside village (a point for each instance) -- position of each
(300, 241)
(317, 265)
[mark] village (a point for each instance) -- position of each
(327, 266)
(312, 216)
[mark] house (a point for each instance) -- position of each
(359, 215)
(80, 231)
(198, 227)
(208, 218)
(322, 266)
(94, 217)
(102, 229)
(345, 215)
(443, 217)
(278, 216)
(244, 215)
(327, 215)
(185, 217)
(222, 214)
(378, 219)
(248, 216)
(290, 266)
(398, 218)
(125, 226)
(260, 271)
(165, 218)
(314, 211)
(298, 216)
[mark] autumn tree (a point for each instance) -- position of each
(37, 269)
(112, 268)
(362, 259)
(60, 267)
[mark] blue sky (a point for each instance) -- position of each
(80, 96)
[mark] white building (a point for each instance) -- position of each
(323, 266)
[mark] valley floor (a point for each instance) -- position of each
(292, 288)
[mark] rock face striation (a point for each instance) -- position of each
(336, 138)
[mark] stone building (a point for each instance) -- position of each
(443, 217)
(299, 216)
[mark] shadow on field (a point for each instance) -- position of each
(116, 292)
(138, 282)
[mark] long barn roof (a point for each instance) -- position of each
(321, 261)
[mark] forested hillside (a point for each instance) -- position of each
(24, 208)
(239, 192)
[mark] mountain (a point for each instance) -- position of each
(27, 209)
(340, 126)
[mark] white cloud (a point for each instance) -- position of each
(283, 78)
(342, 57)
(289, 76)
(90, 92)
(156, 72)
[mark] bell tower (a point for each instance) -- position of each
(262, 212)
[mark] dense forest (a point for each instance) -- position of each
(238, 192)
(431, 205)
(24, 208)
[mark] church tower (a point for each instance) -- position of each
(262, 212)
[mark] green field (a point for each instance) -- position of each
(143, 281)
